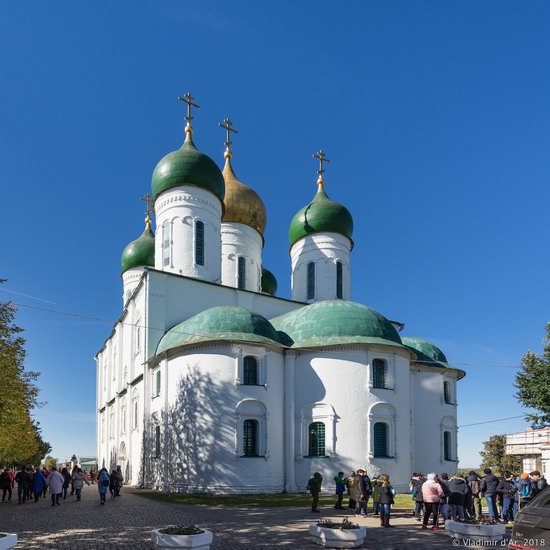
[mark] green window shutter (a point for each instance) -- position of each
(316, 432)
(250, 371)
(447, 452)
(379, 373)
(157, 442)
(250, 438)
(199, 242)
(380, 439)
(310, 280)
(241, 273)
(339, 282)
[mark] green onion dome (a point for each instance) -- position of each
(321, 215)
(141, 252)
(188, 166)
(335, 322)
(428, 354)
(269, 282)
(228, 323)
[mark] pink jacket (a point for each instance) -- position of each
(431, 491)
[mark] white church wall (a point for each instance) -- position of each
(432, 416)
(130, 281)
(200, 413)
(324, 250)
(177, 210)
(338, 381)
(241, 241)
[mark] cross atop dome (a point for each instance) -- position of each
(148, 200)
(188, 99)
(227, 125)
(321, 157)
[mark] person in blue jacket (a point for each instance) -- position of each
(103, 481)
(38, 484)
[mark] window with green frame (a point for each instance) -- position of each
(157, 442)
(250, 371)
(250, 438)
(447, 446)
(379, 373)
(380, 444)
(316, 439)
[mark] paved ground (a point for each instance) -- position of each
(125, 523)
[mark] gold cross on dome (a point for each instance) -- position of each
(227, 125)
(188, 98)
(321, 157)
(148, 200)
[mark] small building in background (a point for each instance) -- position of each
(534, 446)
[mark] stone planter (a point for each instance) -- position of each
(201, 541)
(475, 531)
(337, 538)
(7, 541)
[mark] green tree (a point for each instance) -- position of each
(533, 383)
(50, 462)
(494, 456)
(20, 437)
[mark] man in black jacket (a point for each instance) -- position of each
(488, 488)
(363, 490)
(23, 479)
(507, 488)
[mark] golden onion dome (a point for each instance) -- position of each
(242, 203)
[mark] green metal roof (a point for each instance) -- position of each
(230, 323)
(335, 322)
(188, 166)
(269, 282)
(429, 354)
(321, 215)
(141, 252)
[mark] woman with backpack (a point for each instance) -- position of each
(103, 482)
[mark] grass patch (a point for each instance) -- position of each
(260, 501)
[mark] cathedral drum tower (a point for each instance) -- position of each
(188, 192)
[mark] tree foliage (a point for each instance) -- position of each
(20, 439)
(50, 462)
(533, 383)
(494, 456)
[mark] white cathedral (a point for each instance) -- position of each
(210, 382)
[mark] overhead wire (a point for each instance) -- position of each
(184, 333)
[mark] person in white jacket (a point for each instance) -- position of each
(55, 483)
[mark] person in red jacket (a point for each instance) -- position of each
(432, 493)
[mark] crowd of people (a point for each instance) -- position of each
(35, 483)
(439, 497)
(360, 489)
(460, 497)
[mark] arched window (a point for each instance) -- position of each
(166, 243)
(380, 443)
(379, 373)
(199, 242)
(157, 442)
(241, 272)
(447, 392)
(310, 280)
(250, 371)
(316, 443)
(447, 446)
(135, 411)
(123, 418)
(250, 438)
(339, 282)
(157, 382)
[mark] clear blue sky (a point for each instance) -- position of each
(435, 115)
